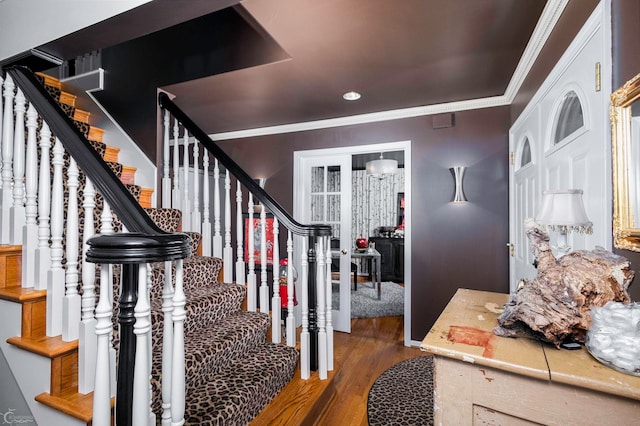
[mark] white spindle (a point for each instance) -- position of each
(227, 258)
(186, 206)
(142, 369)
(291, 321)
(166, 178)
(264, 287)
(167, 343)
(251, 275)
(43, 252)
(217, 237)
(6, 192)
(71, 302)
(87, 341)
(151, 414)
(103, 371)
(30, 230)
(329, 319)
(175, 195)
(276, 309)
(106, 280)
(305, 348)
(320, 308)
(177, 371)
(240, 265)
(55, 278)
(16, 212)
(206, 221)
(196, 218)
(1, 131)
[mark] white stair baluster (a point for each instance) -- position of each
(30, 230)
(167, 343)
(103, 372)
(71, 302)
(196, 218)
(240, 265)
(55, 277)
(6, 192)
(264, 287)
(43, 252)
(186, 205)
(305, 341)
(329, 315)
(175, 195)
(142, 369)
(217, 237)
(1, 131)
(227, 257)
(291, 321)
(177, 371)
(206, 220)
(251, 275)
(276, 312)
(166, 178)
(320, 308)
(87, 342)
(16, 212)
(152, 415)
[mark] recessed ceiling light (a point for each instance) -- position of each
(352, 96)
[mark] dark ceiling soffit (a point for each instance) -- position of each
(34, 59)
(257, 27)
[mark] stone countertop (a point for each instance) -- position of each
(464, 332)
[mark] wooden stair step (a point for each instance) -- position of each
(81, 115)
(34, 309)
(95, 134)
(10, 266)
(145, 197)
(128, 175)
(111, 154)
(74, 404)
(67, 98)
(50, 81)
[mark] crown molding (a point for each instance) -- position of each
(550, 15)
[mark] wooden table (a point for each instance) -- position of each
(481, 378)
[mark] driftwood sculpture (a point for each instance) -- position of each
(555, 305)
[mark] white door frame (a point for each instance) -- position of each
(363, 149)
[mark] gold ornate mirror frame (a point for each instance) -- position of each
(626, 233)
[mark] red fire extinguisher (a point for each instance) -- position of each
(283, 281)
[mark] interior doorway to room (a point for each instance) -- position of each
(332, 185)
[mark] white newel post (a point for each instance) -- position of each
(175, 194)
(177, 371)
(321, 305)
(276, 329)
(264, 287)
(206, 220)
(252, 301)
(240, 265)
(7, 161)
(227, 257)
(87, 341)
(142, 369)
(305, 348)
(167, 343)
(71, 302)
(17, 213)
(186, 206)
(30, 230)
(55, 277)
(196, 219)
(43, 252)
(166, 178)
(217, 237)
(329, 315)
(291, 321)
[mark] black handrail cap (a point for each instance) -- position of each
(138, 248)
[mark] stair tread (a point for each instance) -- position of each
(74, 404)
(49, 347)
(21, 294)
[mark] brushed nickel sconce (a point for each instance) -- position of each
(458, 176)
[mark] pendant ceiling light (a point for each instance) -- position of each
(382, 167)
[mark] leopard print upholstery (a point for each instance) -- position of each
(167, 219)
(403, 394)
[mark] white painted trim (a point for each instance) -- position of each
(361, 149)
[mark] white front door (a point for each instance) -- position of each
(326, 199)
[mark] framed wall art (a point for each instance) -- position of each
(257, 236)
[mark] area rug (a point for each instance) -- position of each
(365, 303)
(403, 394)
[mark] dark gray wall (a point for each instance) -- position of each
(452, 245)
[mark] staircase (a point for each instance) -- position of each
(231, 371)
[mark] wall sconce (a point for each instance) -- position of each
(563, 211)
(458, 176)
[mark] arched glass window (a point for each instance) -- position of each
(525, 154)
(570, 117)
